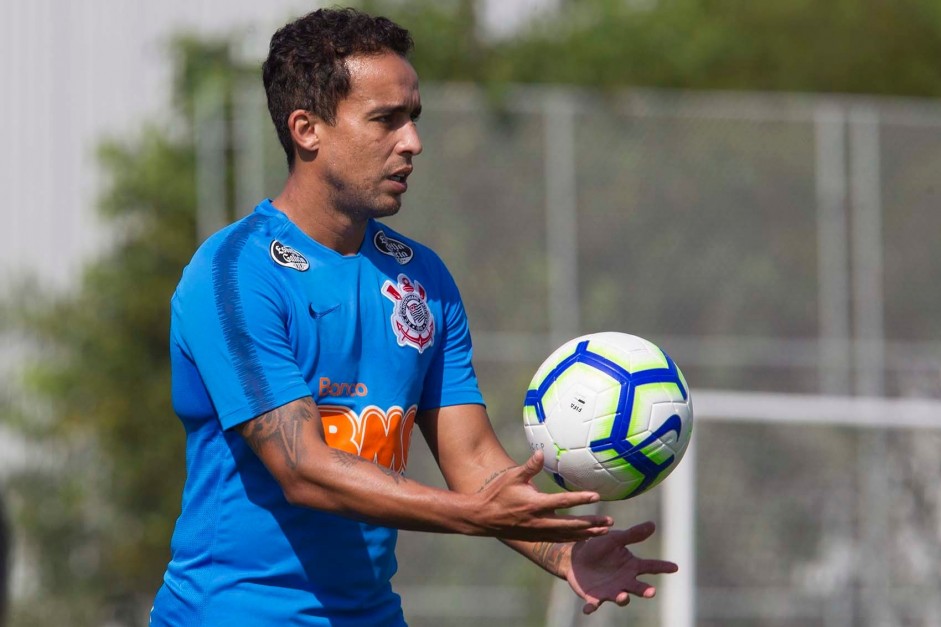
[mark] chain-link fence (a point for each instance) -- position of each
(775, 243)
(769, 242)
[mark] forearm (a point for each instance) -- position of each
(352, 486)
(290, 442)
(554, 557)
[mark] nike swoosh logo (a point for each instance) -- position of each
(320, 314)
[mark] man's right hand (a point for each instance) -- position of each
(512, 508)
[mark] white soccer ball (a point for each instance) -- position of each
(612, 413)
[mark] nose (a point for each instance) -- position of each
(410, 142)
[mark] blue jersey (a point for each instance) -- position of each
(264, 315)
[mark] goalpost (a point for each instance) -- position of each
(678, 497)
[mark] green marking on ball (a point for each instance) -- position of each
(612, 354)
(548, 366)
(610, 460)
(529, 415)
(655, 451)
(651, 359)
(659, 454)
(619, 468)
(585, 376)
(600, 428)
(606, 402)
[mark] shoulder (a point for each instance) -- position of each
(242, 249)
(405, 250)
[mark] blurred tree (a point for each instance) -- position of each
(852, 46)
(98, 508)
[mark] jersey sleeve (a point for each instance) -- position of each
(232, 323)
(451, 379)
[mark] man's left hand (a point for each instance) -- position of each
(604, 569)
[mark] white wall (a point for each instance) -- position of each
(73, 71)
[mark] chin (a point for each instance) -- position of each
(387, 210)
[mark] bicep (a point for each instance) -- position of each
(464, 444)
(286, 438)
(235, 333)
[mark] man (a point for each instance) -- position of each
(307, 340)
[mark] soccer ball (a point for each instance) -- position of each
(611, 412)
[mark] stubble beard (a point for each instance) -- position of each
(357, 205)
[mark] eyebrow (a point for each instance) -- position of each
(388, 109)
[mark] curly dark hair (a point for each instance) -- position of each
(306, 65)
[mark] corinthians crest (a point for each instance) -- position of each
(412, 321)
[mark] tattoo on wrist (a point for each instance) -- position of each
(549, 555)
(493, 477)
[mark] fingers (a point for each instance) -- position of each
(533, 465)
(522, 512)
(656, 567)
(557, 529)
(554, 528)
(591, 521)
(623, 598)
(635, 534)
(562, 500)
(575, 527)
(639, 589)
(566, 500)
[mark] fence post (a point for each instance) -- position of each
(562, 275)
(677, 597)
(869, 354)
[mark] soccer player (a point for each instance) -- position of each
(307, 340)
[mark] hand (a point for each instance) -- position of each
(511, 507)
(603, 569)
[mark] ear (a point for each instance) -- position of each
(304, 127)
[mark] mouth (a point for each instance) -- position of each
(399, 178)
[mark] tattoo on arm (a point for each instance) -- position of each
(549, 555)
(281, 427)
(348, 460)
(397, 477)
(493, 477)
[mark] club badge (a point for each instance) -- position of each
(412, 320)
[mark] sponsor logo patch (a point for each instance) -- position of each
(287, 256)
(383, 436)
(401, 251)
(412, 320)
(329, 388)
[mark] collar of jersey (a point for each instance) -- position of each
(310, 245)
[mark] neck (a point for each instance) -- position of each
(313, 213)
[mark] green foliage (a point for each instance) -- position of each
(98, 506)
(447, 46)
(850, 46)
